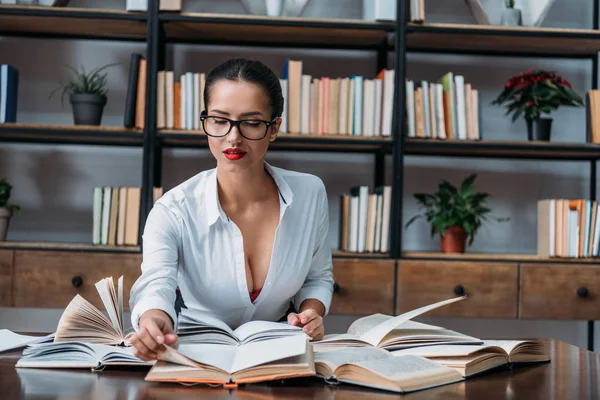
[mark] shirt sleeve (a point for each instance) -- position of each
(155, 288)
(319, 281)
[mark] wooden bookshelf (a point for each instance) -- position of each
(70, 134)
(494, 257)
(348, 254)
(72, 22)
(275, 31)
(496, 39)
(64, 246)
(286, 141)
(502, 149)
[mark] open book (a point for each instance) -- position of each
(390, 333)
(82, 321)
(470, 360)
(77, 355)
(265, 360)
(11, 341)
(195, 327)
(378, 368)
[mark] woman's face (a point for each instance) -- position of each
(239, 100)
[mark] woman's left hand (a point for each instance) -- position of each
(310, 321)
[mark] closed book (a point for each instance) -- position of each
(132, 89)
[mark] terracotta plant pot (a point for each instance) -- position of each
(454, 240)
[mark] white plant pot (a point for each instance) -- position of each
(274, 7)
(5, 215)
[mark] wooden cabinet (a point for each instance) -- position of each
(560, 291)
(363, 286)
(6, 277)
(52, 278)
(491, 287)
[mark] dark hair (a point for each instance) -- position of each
(242, 69)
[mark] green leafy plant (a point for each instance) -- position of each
(536, 91)
(452, 206)
(92, 82)
(5, 189)
(510, 3)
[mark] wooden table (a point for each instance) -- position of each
(573, 374)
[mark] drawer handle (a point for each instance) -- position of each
(77, 281)
(582, 292)
(459, 290)
(336, 287)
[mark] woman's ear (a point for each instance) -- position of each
(274, 129)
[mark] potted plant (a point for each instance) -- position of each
(456, 214)
(6, 210)
(511, 16)
(534, 93)
(87, 94)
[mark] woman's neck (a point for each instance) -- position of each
(241, 189)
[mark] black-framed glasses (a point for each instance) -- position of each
(251, 129)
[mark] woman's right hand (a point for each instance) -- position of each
(155, 329)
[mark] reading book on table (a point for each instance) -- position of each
(471, 360)
(77, 355)
(387, 332)
(196, 327)
(287, 357)
(82, 321)
(378, 368)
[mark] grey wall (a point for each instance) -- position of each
(53, 184)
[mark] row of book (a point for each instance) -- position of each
(448, 108)
(179, 103)
(116, 215)
(568, 228)
(365, 219)
(9, 89)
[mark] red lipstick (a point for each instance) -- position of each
(234, 154)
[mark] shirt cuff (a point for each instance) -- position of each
(318, 293)
(152, 303)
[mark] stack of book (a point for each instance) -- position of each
(9, 93)
(179, 102)
(116, 215)
(365, 219)
(568, 228)
(448, 108)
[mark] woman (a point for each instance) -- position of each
(241, 240)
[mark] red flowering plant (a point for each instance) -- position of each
(537, 91)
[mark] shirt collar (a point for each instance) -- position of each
(213, 207)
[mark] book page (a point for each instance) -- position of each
(335, 358)
(216, 355)
(109, 303)
(120, 302)
(448, 350)
(257, 353)
(10, 340)
(254, 330)
(375, 334)
(364, 324)
(194, 323)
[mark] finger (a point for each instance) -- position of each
(156, 334)
(141, 351)
(149, 340)
(319, 334)
(311, 328)
(307, 316)
(171, 339)
(293, 319)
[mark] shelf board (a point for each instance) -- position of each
(348, 254)
(502, 40)
(493, 257)
(275, 31)
(70, 134)
(502, 149)
(72, 22)
(286, 141)
(59, 246)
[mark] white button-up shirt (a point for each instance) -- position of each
(189, 241)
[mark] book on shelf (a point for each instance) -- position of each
(324, 105)
(470, 360)
(385, 10)
(266, 360)
(196, 327)
(116, 214)
(365, 219)
(592, 116)
(9, 93)
(448, 108)
(568, 228)
(395, 332)
(135, 100)
(380, 369)
(78, 354)
(82, 321)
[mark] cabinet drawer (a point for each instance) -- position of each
(52, 278)
(363, 287)
(560, 291)
(6, 275)
(491, 288)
